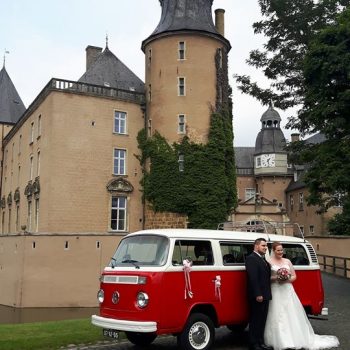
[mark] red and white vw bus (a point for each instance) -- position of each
(189, 282)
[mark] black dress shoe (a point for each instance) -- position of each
(266, 347)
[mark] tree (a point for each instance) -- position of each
(306, 58)
(290, 26)
(326, 71)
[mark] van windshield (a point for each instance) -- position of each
(142, 250)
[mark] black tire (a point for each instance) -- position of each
(198, 334)
(237, 328)
(140, 339)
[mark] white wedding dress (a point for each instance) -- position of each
(287, 326)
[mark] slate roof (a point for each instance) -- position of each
(270, 139)
(11, 105)
(186, 15)
(244, 157)
(109, 71)
(315, 139)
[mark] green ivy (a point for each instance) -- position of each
(206, 190)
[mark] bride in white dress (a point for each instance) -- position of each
(287, 326)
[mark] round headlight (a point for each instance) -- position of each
(100, 296)
(115, 297)
(142, 300)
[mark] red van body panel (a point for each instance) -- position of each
(309, 289)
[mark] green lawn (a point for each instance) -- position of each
(48, 335)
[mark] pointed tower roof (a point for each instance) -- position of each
(186, 16)
(108, 70)
(11, 105)
(270, 138)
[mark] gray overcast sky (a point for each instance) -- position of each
(47, 38)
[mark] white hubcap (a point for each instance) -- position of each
(199, 335)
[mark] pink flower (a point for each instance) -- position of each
(283, 274)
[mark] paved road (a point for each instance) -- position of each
(337, 299)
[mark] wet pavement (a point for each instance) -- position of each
(337, 299)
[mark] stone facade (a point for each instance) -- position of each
(164, 219)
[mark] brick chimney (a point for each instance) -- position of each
(92, 53)
(220, 21)
(295, 137)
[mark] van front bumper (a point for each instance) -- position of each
(123, 325)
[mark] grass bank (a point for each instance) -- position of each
(48, 335)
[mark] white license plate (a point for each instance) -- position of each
(111, 333)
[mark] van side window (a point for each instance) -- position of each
(200, 252)
(235, 253)
(296, 254)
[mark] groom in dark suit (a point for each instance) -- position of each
(259, 293)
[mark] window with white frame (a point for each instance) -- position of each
(181, 86)
(149, 92)
(181, 124)
(291, 202)
(39, 126)
(31, 167)
(38, 165)
(118, 213)
(36, 227)
(258, 162)
(3, 222)
(31, 139)
(149, 124)
(149, 57)
(181, 161)
(119, 166)
(249, 193)
(120, 119)
(312, 229)
(29, 219)
(9, 222)
(17, 218)
(19, 175)
(301, 201)
(181, 52)
(19, 144)
(220, 58)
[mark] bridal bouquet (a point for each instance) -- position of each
(283, 274)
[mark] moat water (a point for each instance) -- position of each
(15, 315)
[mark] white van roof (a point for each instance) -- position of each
(218, 234)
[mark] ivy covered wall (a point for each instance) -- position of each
(206, 188)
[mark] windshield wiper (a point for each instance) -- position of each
(130, 261)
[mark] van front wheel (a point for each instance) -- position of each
(140, 339)
(198, 334)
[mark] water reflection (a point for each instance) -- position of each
(15, 315)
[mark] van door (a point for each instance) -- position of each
(187, 287)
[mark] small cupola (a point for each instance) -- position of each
(270, 118)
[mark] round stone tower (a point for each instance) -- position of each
(186, 70)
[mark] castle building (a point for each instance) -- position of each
(71, 175)
(270, 189)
